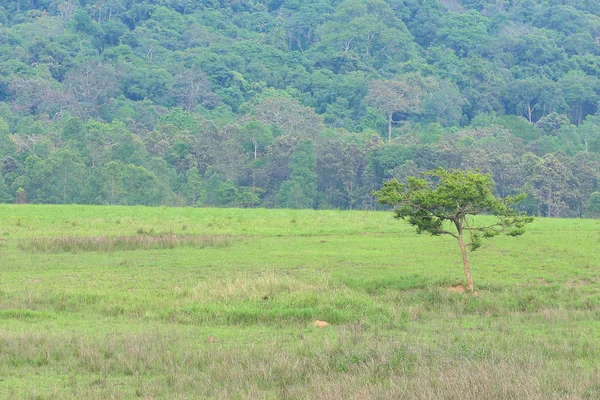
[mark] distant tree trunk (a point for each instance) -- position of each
(21, 197)
(549, 204)
(390, 126)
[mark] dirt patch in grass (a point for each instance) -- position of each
(461, 289)
(212, 339)
(578, 282)
(456, 289)
(320, 324)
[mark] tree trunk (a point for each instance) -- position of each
(463, 252)
(390, 127)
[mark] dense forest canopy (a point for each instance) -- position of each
(296, 103)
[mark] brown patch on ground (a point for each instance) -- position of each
(212, 339)
(35, 280)
(456, 289)
(319, 324)
(577, 282)
(460, 289)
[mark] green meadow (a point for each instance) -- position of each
(190, 303)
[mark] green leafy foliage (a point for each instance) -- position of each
(453, 196)
(300, 190)
(232, 88)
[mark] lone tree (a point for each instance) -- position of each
(442, 201)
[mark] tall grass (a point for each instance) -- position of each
(355, 365)
(120, 243)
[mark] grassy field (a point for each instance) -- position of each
(135, 302)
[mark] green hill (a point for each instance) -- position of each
(177, 102)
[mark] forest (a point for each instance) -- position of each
(297, 103)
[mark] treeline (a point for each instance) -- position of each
(289, 103)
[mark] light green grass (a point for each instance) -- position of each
(234, 321)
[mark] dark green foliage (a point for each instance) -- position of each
(464, 33)
(593, 205)
(140, 186)
(5, 196)
(7, 147)
(82, 23)
(112, 189)
(213, 99)
(194, 190)
(58, 179)
(300, 190)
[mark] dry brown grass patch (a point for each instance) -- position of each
(116, 243)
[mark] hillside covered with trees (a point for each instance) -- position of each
(296, 103)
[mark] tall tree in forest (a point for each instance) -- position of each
(292, 117)
(60, 178)
(140, 186)
(90, 87)
(256, 136)
(194, 189)
(394, 97)
(190, 88)
(553, 186)
(112, 189)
